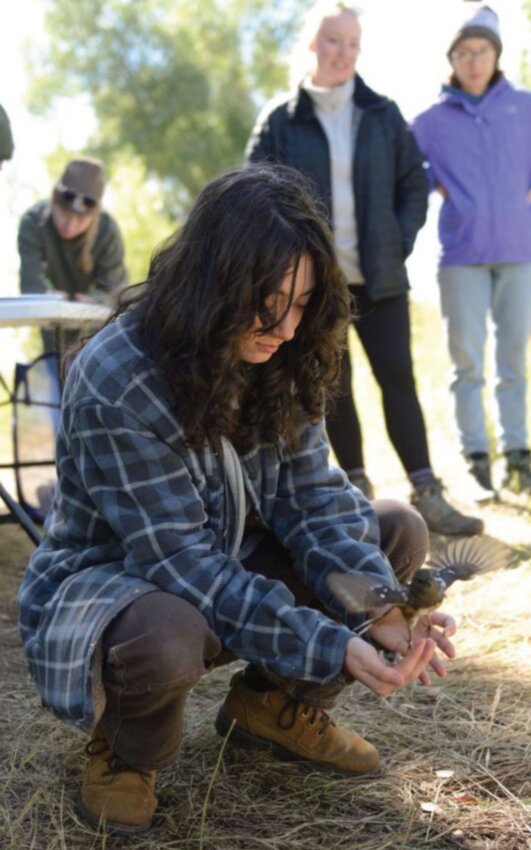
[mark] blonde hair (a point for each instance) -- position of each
(86, 258)
(303, 58)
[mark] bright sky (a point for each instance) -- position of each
(403, 55)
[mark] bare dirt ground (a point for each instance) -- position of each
(456, 756)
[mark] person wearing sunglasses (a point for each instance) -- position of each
(70, 247)
(69, 244)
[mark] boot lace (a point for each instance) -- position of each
(97, 746)
(313, 716)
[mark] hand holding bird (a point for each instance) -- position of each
(461, 559)
(410, 624)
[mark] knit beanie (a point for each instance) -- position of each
(80, 190)
(483, 24)
(6, 139)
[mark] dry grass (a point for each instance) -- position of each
(456, 756)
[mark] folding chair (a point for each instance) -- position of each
(35, 401)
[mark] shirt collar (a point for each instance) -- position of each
(332, 99)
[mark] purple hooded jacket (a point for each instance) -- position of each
(480, 153)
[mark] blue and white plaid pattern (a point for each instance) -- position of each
(136, 510)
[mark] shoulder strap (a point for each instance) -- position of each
(235, 494)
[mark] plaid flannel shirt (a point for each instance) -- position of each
(136, 510)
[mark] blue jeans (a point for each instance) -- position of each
(469, 294)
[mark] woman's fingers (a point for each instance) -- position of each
(379, 672)
(403, 646)
(416, 660)
(442, 628)
(446, 623)
(438, 667)
(379, 685)
(445, 645)
(364, 663)
(384, 679)
(424, 678)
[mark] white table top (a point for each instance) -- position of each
(49, 311)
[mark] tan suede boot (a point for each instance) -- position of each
(274, 721)
(113, 794)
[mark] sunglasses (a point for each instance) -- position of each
(69, 196)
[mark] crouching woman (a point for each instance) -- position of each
(196, 516)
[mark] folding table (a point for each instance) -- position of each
(44, 311)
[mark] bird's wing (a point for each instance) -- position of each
(447, 575)
(463, 558)
(359, 592)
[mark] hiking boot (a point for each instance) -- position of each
(518, 474)
(364, 484)
(439, 515)
(479, 468)
(114, 794)
(272, 720)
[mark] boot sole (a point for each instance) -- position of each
(110, 826)
(240, 738)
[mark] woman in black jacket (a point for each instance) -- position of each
(355, 147)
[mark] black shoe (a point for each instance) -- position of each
(479, 469)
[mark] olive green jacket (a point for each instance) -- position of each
(49, 262)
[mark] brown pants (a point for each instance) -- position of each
(159, 647)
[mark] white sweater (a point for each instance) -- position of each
(339, 118)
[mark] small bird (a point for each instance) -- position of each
(461, 559)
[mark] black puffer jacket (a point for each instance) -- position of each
(390, 184)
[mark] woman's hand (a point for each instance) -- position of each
(391, 632)
(364, 663)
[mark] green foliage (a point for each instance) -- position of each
(135, 202)
(174, 85)
(173, 81)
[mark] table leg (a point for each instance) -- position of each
(20, 515)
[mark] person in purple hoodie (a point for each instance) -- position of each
(476, 143)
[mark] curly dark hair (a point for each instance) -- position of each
(247, 231)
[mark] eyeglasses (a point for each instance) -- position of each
(70, 196)
(466, 55)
